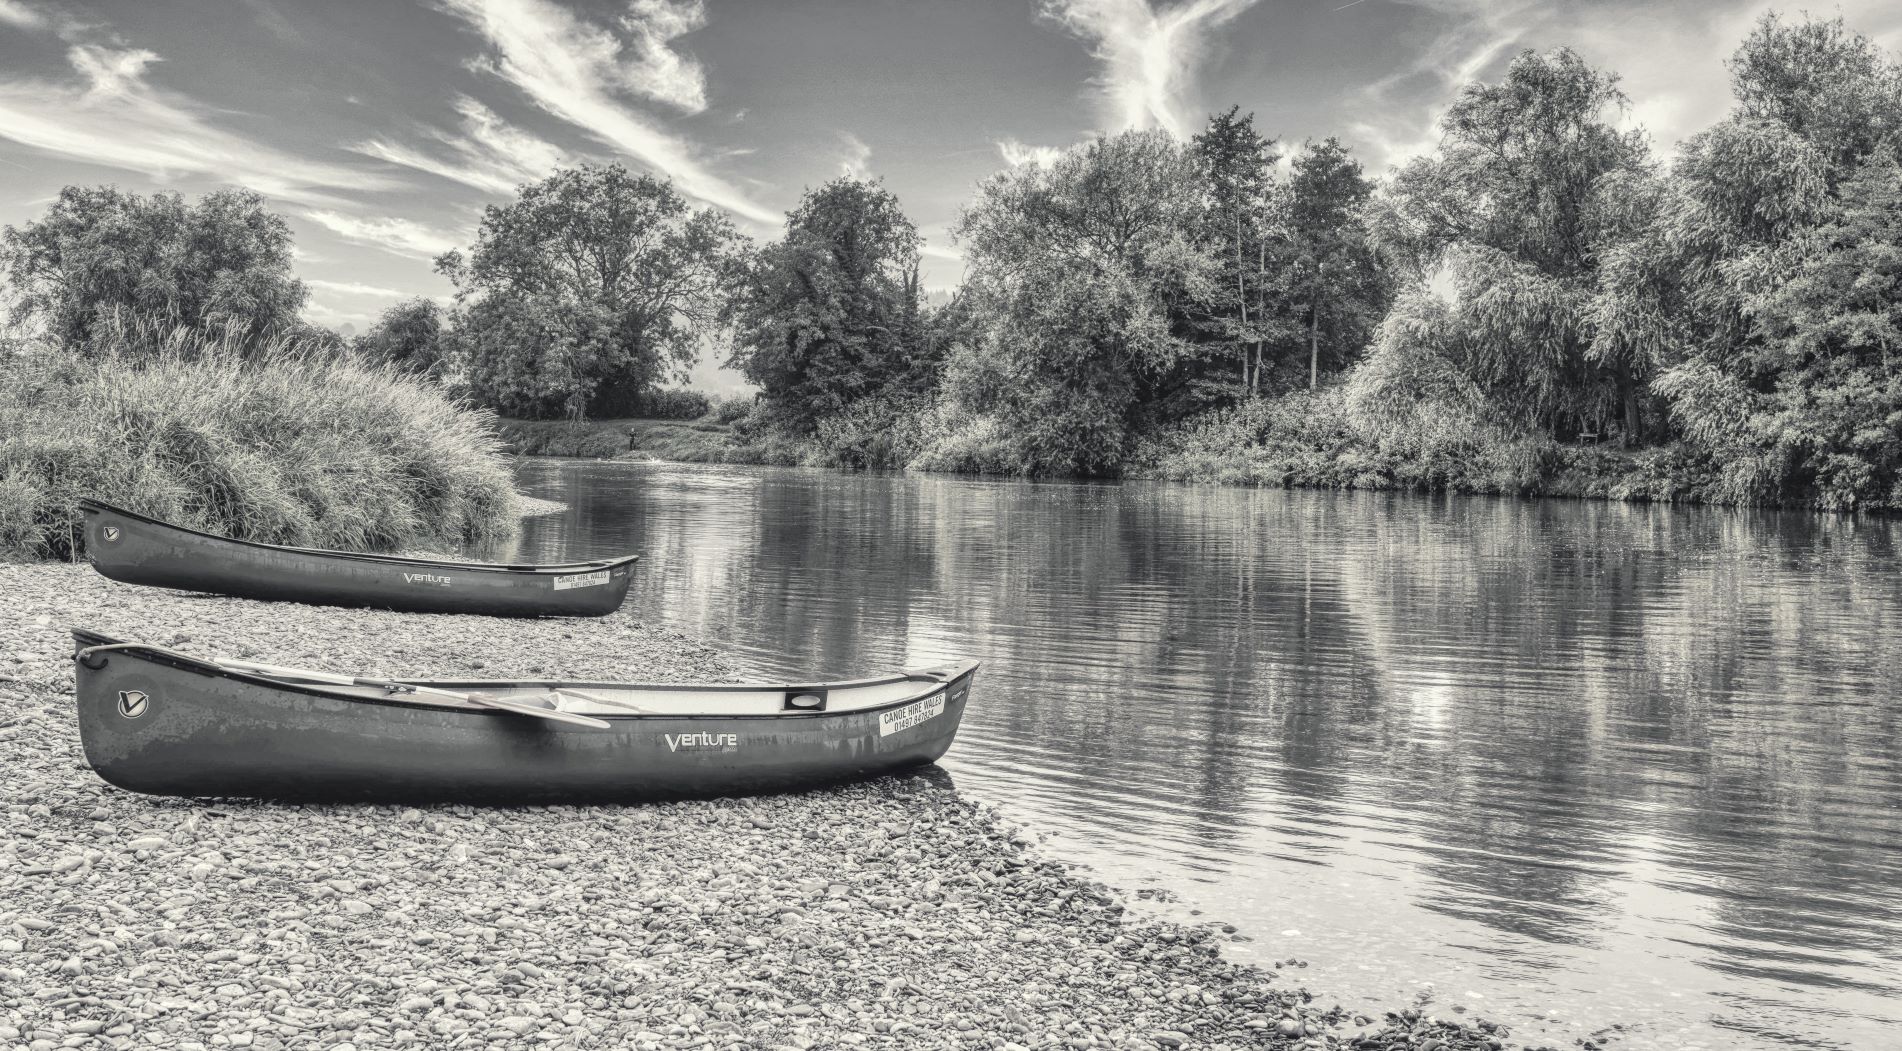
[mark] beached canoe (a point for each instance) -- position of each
(158, 721)
(136, 549)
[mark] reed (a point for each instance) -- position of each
(280, 441)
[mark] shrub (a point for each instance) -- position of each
(260, 442)
(729, 410)
(673, 405)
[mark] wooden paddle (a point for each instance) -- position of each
(485, 700)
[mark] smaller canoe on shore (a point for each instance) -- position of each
(158, 721)
(135, 549)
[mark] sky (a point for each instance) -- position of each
(381, 128)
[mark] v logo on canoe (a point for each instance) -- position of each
(111, 534)
(133, 703)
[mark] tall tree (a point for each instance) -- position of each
(831, 314)
(99, 253)
(1079, 270)
(1235, 163)
(1519, 206)
(1334, 270)
(594, 287)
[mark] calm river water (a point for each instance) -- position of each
(1553, 763)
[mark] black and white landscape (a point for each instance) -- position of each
(1420, 476)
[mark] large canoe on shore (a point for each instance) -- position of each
(162, 722)
(136, 549)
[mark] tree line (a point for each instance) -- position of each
(1539, 282)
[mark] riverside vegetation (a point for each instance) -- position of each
(1537, 304)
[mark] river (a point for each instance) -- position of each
(1553, 763)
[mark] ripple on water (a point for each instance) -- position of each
(1562, 763)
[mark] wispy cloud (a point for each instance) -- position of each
(856, 157)
(354, 288)
(1149, 55)
(581, 72)
(490, 154)
(21, 16)
(657, 70)
(1670, 58)
(400, 236)
(111, 114)
(1017, 153)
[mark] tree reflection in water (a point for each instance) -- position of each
(1572, 755)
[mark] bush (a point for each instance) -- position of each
(673, 405)
(729, 410)
(261, 442)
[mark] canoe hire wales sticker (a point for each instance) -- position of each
(581, 580)
(910, 715)
(133, 703)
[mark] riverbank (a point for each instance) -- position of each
(894, 914)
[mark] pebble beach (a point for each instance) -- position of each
(893, 914)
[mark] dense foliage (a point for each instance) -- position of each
(830, 314)
(593, 288)
(100, 254)
(267, 442)
(410, 335)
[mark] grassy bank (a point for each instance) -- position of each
(890, 915)
(276, 445)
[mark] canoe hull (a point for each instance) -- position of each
(134, 549)
(200, 733)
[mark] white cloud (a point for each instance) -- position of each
(490, 154)
(657, 70)
(856, 158)
(21, 16)
(1149, 55)
(400, 236)
(354, 288)
(579, 72)
(1670, 59)
(1017, 154)
(114, 116)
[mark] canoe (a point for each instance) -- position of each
(135, 549)
(161, 722)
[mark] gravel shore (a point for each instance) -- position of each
(891, 914)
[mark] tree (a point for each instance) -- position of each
(1079, 270)
(1334, 270)
(1235, 163)
(223, 263)
(594, 287)
(1765, 286)
(409, 335)
(1520, 205)
(830, 314)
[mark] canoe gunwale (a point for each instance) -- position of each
(931, 681)
(91, 506)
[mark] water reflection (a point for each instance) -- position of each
(1564, 759)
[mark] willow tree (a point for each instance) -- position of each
(1766, 287)
(1519, 205)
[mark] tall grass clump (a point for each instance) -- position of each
(277, 442)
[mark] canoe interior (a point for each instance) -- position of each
(676, 700)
